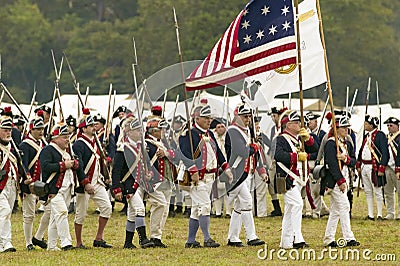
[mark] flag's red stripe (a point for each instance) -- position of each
(240, 76)
(264, 54)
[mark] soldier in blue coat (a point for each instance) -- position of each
(92, 184)
(31, 147)
(202, 170)
(58, 168)
(244, 159)
(292, 164)
(372, 160)
(128, 172)
(336, 183)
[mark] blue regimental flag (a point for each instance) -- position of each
(261, 38)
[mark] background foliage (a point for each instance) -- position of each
(362, 39)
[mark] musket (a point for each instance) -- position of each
(2, 96)
(21, 167)
(164, 103)
(106, 126)
(87, 95)
(347, 98)
(171, 130)
(30, 111)
(184, 83)
(13, 100)
(366, 112)
(323, 115)
(56, 86)
(143, 149)
(354, 100)
(380, 127)
(379, 108)
(106, 172)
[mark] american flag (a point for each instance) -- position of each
(261, 38)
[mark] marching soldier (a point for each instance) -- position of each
(392, 182)
(290, 160)
(57, 168)
(31, 147)
(127, 173)
(91, 181)
(8, 180)
(202, 169)
(109, 144)
(160, 194)
(243, 156)
(275, 130)
(372, 160)
(121, 113)
(46, 117)
(72, 129)
(173, 141)
(218, 125)
(337, 181)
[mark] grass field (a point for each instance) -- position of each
(382, 238)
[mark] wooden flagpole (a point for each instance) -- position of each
(300, 83)
(328, 80)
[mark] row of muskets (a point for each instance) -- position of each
(143, 93)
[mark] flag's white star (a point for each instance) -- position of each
(246, 11)
(247, 39)
(245, 24)
(286, 25)
(272, 30)
(265, 10)
(285, 10)
(260, 34)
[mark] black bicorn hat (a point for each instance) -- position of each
(217, 121)
(392, 120)
(373, 120)
(44, 108)
(71, 121)
(119, 110)
(99, 118)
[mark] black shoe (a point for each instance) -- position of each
(210, 243)
(369, 218)
(333, 244)
(171, 214)
(157, 243)
(129, 246)
(227, 216)
(81, 246)
(68, 247)
(275, 213)
(97, 212)
(255, 242)
(218, 216)
(195, 244)
(178, 209)
(380, 218)
(12, 249)
(352, 243)
(30, 247)
(101, 244)
(40, 243)
(235, 244)
(300, 245)
(146, 243)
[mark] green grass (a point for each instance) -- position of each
(380, 237)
